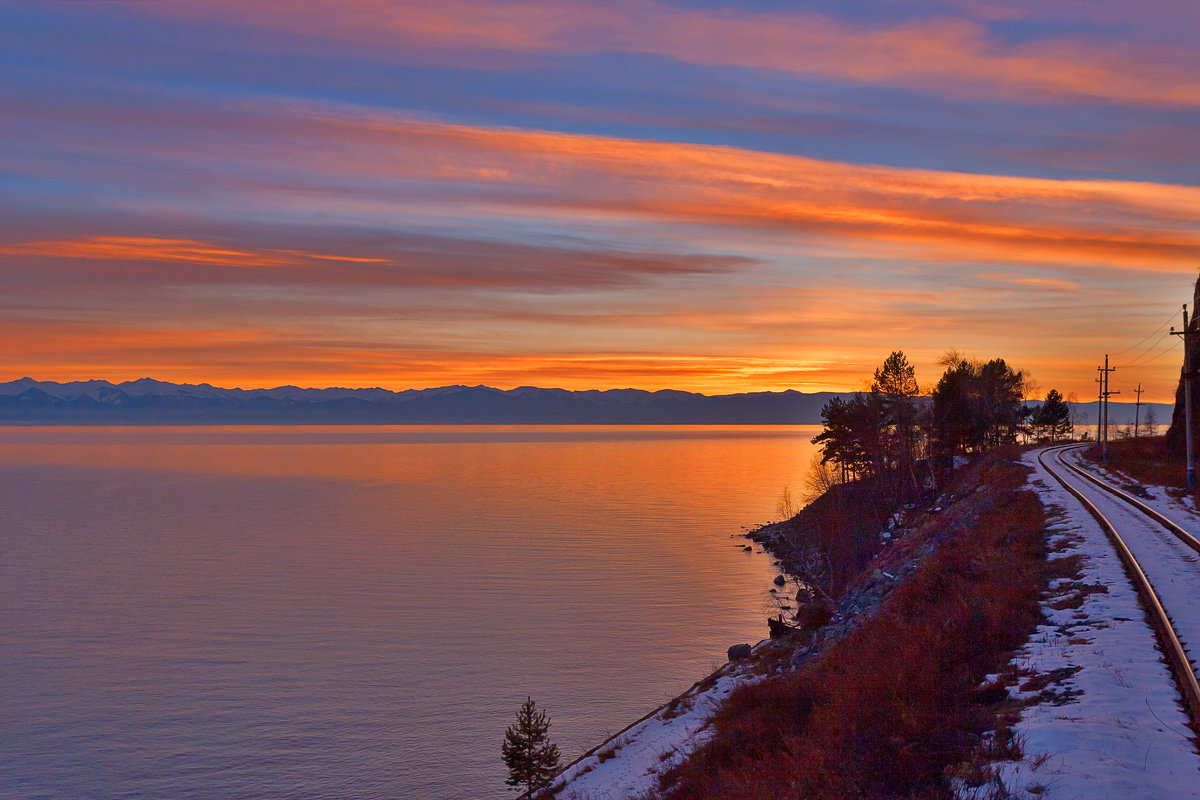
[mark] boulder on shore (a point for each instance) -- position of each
(778, 628)
(739, 652)
(814, 614)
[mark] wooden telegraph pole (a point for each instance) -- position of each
(1137, 410)
(1102, 428)
(1104, 393)
(1187, 400)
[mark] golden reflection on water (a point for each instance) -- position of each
(378, 590)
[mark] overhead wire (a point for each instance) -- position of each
(1136, 360)
(1143, 341)
(1170, 348)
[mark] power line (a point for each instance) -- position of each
(1159, 355)
(1137, 360)
(1166, 322)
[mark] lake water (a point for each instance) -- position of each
(358, 612)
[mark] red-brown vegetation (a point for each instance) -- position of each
(1145, 460)
(841, 527)
(893, 708)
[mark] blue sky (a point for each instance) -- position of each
(706, 196)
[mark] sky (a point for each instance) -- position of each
(684, 194)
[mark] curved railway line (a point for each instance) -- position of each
(1176, 653)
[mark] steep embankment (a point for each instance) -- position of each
(882, 701)
(892, 705)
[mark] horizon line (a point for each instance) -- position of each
(116, 384)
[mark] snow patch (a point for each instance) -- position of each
(1101, 716)
(628, 765)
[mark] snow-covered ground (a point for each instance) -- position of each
(1109, 724)
(1103, 719)
(1172, 567)
(1180, 510)
(628, 765)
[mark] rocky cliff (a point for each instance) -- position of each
(1176, 436)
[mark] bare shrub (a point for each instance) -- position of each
(819, 479)
(786, 506)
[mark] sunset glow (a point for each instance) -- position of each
(596, 195)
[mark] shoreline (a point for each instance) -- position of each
(910, 537)
(590, 773)
(1074, 654)
(578, 768)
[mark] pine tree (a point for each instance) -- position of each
(896, 388)
(1054, 415)
(531, 758)
(1150, 423)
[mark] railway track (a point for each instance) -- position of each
(1169, 639)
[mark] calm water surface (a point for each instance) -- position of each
(313, 612)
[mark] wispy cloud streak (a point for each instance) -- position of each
(630, 193)
(953, 56)
(338, 159)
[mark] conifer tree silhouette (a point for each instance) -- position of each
(531, 757)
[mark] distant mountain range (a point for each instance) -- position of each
(151, 402)
(1120, 414)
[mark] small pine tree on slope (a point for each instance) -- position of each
(1054, 416)
(1150, 423)
(531, 758)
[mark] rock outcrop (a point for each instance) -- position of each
(1176, 436)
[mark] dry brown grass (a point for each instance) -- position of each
(842, 526)
(1145, 460)
(893, 709)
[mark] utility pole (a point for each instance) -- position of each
(1187, 400)
(1104, 393)
(1100, 409)
(1137, 409)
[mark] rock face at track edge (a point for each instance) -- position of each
(1176, 438)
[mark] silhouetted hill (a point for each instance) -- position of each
(150, 402)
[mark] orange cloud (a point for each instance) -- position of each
(821, 225)
(403, 259)
(264, 357)
(951, 215)
(1054, 284)
(955, 57)
(809, 223)
(821, 337)
(143, 248)
(346, 162)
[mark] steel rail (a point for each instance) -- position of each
(1181, 666)
(1183, 535)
